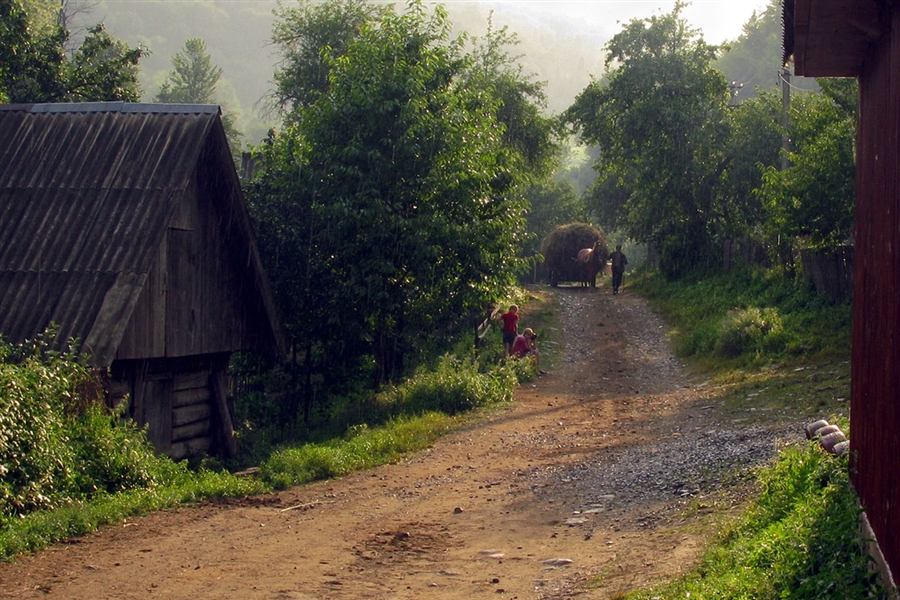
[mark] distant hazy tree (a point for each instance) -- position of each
(658, 122)
(193, 80)
(310, 36)
(34, 66)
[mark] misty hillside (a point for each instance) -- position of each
(237, 35)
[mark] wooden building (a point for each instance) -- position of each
(126, 227)
(861, 39)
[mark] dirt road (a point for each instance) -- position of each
(577, 490)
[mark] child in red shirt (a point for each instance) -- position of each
(510, 328)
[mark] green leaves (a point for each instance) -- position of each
(814, 198)
(58, 443)
(657, 120)
(392, 184)
(34, 66)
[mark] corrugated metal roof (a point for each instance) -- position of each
(86, 193)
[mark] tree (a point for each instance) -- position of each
(753, 144)
(390, 192)
(813, 200)
(658, 121)
(193, 80)
(527, 131)
(34, 66)
(310, 36)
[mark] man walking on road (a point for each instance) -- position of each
(618, 267)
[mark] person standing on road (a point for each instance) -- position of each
(510, 328)
(618, 267)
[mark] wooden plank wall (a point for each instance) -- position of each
(192, 414)
(875, 372)
(183, 402)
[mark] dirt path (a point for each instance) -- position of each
(572, 492)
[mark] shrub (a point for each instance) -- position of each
(749, 331)
(454, 386)
(59, 444)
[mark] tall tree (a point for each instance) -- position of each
(658, 121)
(402, 187)
(310, 36)
(527, 130)
(34, 66)
(193, 80)
(813, 200)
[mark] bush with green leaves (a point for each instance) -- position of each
(454, 386)
(756, 317)
(749, 331)
(59, 444)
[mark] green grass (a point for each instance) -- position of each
(363, 448)
(799, 539)
(38, 530)
(774, 351)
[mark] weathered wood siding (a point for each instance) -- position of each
(181, 402)
(875, 395)
(199, 297)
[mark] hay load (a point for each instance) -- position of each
(561, 250)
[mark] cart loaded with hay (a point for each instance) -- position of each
(575, 253)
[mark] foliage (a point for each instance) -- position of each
(58, 443)
(752, 145)
(771, 319)
(310, 36)
(814, 198)
(799, 539)
(37, 530)
(193, 80)
(754, 61)
(365, 448)
(386, 207)
(750, 331)
(454, 387)
(658, 120)
(414, 414)
(552, 202)
(34, 66)
(520, 100)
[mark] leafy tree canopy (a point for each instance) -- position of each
(658, 121)
(814, 198)
(387, 201)
(34, 66)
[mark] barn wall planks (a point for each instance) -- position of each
(875, 372)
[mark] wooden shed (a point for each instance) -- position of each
(126, 227)
(861, 38)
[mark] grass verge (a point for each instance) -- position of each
(798, 539)
(773, 349)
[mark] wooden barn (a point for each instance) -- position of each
(126, 227)
(861, 39)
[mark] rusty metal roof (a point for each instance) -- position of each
(86, 194)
